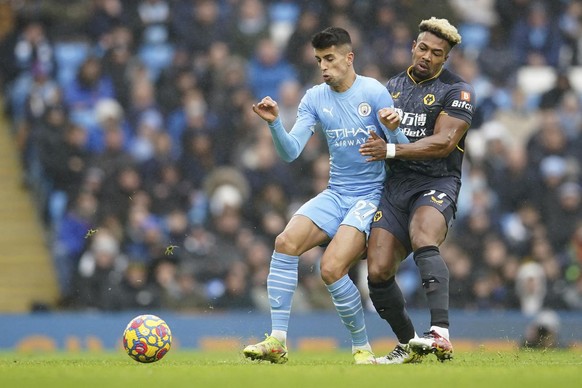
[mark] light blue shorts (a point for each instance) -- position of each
(329, 209)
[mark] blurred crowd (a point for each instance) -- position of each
(160, 188)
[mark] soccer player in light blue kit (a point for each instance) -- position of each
(348, 107)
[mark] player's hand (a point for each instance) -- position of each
(374, 147)
(389, 117)
(267, 109)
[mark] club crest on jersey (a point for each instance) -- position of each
(429, 99)
(364, 109)
(378, 216)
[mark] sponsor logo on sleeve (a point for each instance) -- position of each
(464, 101)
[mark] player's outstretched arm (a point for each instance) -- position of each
(288, 145)
(447, 134)
(375, 147)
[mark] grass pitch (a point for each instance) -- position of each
(532, 369)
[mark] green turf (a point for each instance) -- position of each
(530, 369)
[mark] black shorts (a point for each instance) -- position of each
(404, 194)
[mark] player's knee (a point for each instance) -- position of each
(381, 266)
(330, 273)
(422, 235)
(380, 272)
(423, 240)
(283, 244)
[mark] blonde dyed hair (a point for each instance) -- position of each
(441, 28)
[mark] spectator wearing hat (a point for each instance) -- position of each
(100, 272)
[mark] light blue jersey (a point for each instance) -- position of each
(352, 196)
(346, 119)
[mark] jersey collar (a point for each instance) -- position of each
(409, 73)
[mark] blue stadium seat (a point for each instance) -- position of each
(156, 56)
(69, 56)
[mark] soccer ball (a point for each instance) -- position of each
(147, 338)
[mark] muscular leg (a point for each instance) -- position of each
(428, 230)
(300, 235)
(385, 253)
(345, 249)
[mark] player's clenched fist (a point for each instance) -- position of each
(267, 109)
(389, 117)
